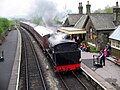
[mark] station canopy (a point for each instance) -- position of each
(71, 30)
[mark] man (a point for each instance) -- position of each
(102, 57)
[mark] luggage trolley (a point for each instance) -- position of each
(96, 61)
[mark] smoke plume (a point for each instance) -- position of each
(45, 9)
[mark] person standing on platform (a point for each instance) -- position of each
(102, 57)
(108, 48)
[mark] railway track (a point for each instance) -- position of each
(71, 82)
(31, 77)
(75, 81)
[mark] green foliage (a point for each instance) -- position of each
(93, 49)
(38, 20)
(5, 24)
(106, 10)
(11, 24)
(85, 42)
(1, 30)
(56, 19)
(98, 11)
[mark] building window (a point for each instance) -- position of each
(91, 33)
(118, 44)
(115, 44)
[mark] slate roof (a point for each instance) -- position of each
(73, 18)
(102, 21)
(81, 22)
(116, 34)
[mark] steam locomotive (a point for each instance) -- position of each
(64, 53)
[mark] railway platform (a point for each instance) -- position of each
(9, 67)
(107, 76)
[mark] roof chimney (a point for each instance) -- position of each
(117, 4)
(80, 8)
(116, 14)
(88, 7)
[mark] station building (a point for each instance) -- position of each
(115, 43)
(97, 27)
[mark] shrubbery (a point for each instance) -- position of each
(85, 42)
(5, 25)
(91, 48)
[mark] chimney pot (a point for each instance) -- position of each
(117, 3)
(80, 4)
(88, 2)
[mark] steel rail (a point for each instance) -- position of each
(27, 78)
(80, 81)
(67, 88)
(26, 64)
(38, 64)
(36, 60)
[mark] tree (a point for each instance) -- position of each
(5, 24)
(107, 9)
(57, 20)
(38, 20)
(1, 30)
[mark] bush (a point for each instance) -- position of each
(93, 49)
(85, 42)
(5, 25)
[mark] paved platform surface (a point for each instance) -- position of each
(9, 47)
(110, 72)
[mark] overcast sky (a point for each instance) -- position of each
(10, 8)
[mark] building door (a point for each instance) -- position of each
(105, 39)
